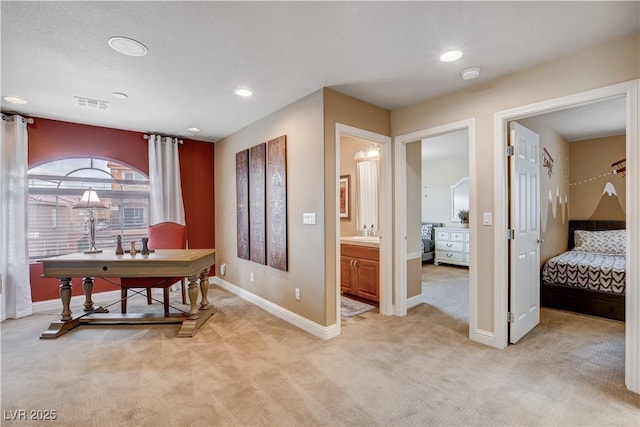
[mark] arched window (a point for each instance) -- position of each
(55, 228)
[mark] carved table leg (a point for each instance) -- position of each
(193, 297)
(65, 297)
(204, 289)
(87, 287)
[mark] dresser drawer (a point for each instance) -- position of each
(458, 236)
(450, 246)
(451, 256)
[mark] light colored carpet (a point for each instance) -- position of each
(247, 368)
(352, 308)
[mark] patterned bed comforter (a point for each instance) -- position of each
(587, 270)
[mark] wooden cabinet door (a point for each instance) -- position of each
(367, 284)
(346, 279)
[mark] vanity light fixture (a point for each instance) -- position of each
(470, 73)
(244, 92)
(14, 100)
(451, 55)
(127, 46)
(373, 152)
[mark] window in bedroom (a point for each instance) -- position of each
(55, 228)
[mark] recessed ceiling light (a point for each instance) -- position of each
(451, 55)
(127, 46)
(243, 92)
(470, 73)
(119, 95)
(193, 129)
(14, 100)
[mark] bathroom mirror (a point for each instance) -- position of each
(459, 198)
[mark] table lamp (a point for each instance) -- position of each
(91, 201)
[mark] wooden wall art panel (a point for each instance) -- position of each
(242, 203)
(257, 206)
(277, 202)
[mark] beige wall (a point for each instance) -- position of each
(554, 189)
(302, 123)
(339, 108)
(590, 172)
(596, 67)
(414, 217)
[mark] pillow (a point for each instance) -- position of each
(606, 242)
(427, 230)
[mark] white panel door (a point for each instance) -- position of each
(524, 299)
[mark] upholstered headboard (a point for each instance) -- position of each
(592, 225)
(431, 226)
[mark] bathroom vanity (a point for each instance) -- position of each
(360, 267)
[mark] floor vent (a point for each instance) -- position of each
(91, 103)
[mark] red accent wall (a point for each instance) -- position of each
(51, 140)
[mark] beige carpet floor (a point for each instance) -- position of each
(247, 368)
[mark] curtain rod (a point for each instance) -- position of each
(175, 139)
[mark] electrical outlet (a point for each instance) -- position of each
(297, 294)
(251, 276)
(223, 269)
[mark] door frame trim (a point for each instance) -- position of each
(384, 228)
(631, 91)
(400, 242)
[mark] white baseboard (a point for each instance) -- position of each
(484, 337)
(323, 332)
(416, 300)
(56, 304)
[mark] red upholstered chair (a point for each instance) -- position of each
(165, 235)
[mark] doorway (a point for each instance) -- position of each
(629, 91)
(404, 251)
(383, 144)
(444, 230)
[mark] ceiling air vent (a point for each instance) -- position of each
(91, 103)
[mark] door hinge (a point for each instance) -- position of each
(511, 150)
(511, 317)
(511, 234)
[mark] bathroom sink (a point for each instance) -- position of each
(362, 240)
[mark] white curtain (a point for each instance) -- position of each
(367, 175)
(15, 286)
(164, 179)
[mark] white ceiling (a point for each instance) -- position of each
(385, 53)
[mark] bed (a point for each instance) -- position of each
(428, 240)
(590, 277)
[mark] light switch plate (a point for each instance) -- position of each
(487, 218)
(309, 218)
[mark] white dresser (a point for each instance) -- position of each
(452, 246)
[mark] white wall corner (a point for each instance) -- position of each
(323, 332)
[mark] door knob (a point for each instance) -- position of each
(539, 240)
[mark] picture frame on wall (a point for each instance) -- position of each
(345, 190)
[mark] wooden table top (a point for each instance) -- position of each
(160, 263)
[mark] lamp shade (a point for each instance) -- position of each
(89, 200)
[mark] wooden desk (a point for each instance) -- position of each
(191, 263)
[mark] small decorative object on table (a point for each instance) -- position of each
(119, 249)
(133, 248)
(145, 246)
(463, 215)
